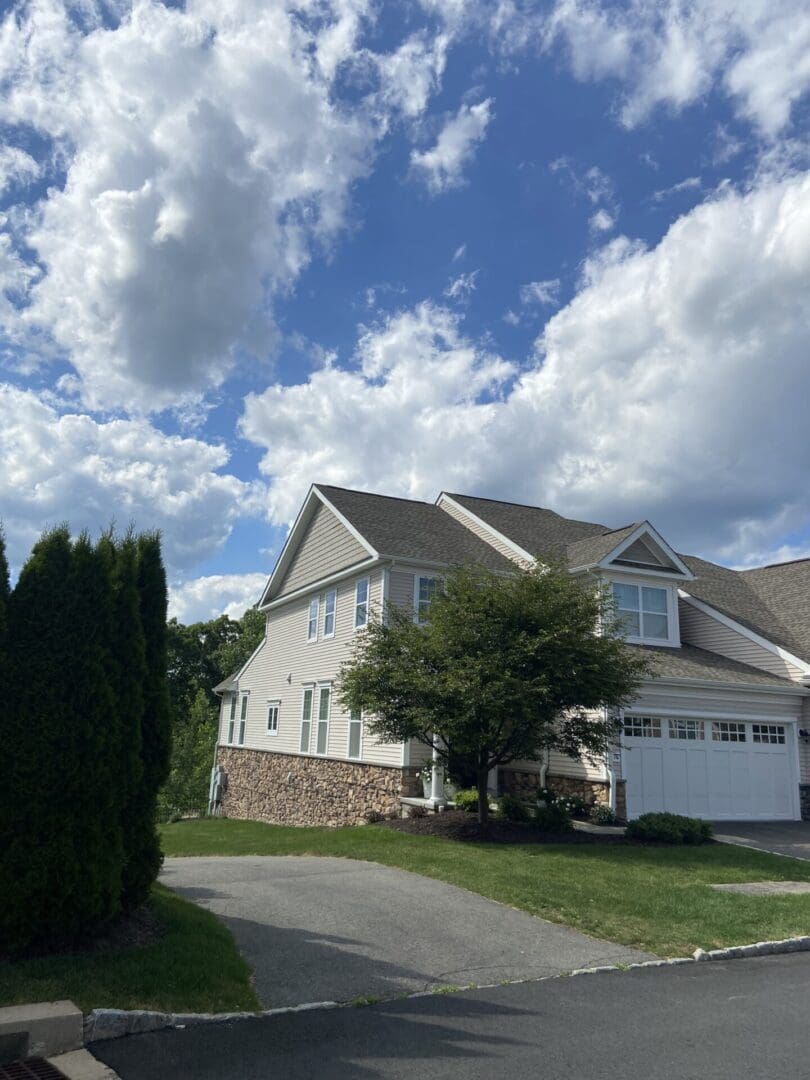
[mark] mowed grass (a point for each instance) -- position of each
(193, 967)
(655, 898)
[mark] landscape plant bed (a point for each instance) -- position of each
(174, 957)
(459, 825)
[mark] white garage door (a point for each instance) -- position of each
(709, 768)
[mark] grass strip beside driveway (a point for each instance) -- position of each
(193, 967)
(654, 898)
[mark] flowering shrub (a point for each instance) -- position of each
(601, 814)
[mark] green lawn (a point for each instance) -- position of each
(193, 967)
(655, 898)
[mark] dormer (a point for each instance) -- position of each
(644, 573)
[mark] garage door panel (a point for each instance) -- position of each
(710, 778)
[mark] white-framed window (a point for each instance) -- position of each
(643, 610)
(690, 730)
(306, 719)
(312, 620)
(232, 719)
(642, 727)
(243, 719)
(273, 710)
(322, 733)
(425, 588)
(768, 733)
(723, 731)
(361, 603)
(329, 604)
(355, 749)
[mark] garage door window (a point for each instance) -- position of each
(728, 732)
(692, 730)
(768, 733)
(642, 727)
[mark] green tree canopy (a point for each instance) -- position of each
(506, 668)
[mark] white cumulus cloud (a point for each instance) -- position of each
(69, 467)
(205, 598)
(442, 166)
(671, 387)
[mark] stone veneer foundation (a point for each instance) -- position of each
(285, 789)
(524, 784)
(804, 801)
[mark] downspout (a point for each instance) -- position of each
(544, 767)
(611, 775)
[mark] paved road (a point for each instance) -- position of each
(335, 929)
(783, 837)
(741, 1018)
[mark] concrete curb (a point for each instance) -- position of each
(114, 1023)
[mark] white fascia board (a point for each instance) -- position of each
(346, 523)
(513, 547)
(316, 586)
(738, 628)
(646, 529)
(711, 684)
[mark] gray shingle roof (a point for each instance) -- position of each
(540, 532)
(785, 588)
(594, 548)
(733, 592)
(689, 662)
(407, 529)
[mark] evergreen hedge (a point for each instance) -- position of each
(83, 645)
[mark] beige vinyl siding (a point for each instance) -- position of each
(804, 744)
(698, 628)
(326, 547)
(641, 552)
(288, 663)
(481, 532)
(401, 589)
(418, 753)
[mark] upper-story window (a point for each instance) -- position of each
(330, 600)
(312, 622)
(424, 591)
(643, 610)
(361, 603)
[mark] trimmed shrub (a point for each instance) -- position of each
(467, 800)
(601, 814)
(513, 809)
(667, 828)
(553, 817)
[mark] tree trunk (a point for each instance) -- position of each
(483, 796)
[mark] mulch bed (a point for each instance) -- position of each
(459, 825)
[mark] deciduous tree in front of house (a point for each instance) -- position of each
(504, 669)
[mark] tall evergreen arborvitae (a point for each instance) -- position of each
(4, 593)
(41, 874)
(95, 713)
(143, 855)
(127, 675)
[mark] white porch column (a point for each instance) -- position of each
(436, 778)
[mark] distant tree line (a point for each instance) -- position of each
(83, 663)
(200, 656)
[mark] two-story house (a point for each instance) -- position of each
(718, 732)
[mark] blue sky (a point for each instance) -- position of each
(557, 253)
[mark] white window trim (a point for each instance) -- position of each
(327, 594)
(273, 703)
(361, 603)
(244, 701)
(304, 688)
(417, 578)
(673, 630)
(317, 717)
(359, 756)
(230, 720)
(316, 600)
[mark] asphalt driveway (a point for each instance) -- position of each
(320, 929)
(781, 837)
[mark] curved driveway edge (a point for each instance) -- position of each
(316, 929)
